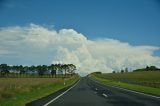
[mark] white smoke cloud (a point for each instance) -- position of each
(35, 44)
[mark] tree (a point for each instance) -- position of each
(53, 69)
(153, 68)
(32, 70)
(41, 69)
(71, 69)
(21, 70)
(4, 70)
(122, 71)
(65, 68)
(26, 68)
(113, 71)
(126, 69)
(59, 68)
(147, 68)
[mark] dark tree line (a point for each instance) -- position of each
(39, 70)
(148, 68)
(122, 71)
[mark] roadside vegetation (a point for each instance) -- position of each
(147, 81)
(19, 91)
(22, 84)
(36, 71)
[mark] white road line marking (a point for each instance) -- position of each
(130, 90)
(104, 95)
(138, 92)
(60, 95)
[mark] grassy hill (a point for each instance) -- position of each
(144, 81)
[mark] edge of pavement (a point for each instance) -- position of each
(42, 101)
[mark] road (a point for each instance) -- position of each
(90, 93)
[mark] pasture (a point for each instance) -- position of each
(145, 78)
(144, 81)
(18, 91)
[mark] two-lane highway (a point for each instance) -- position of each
(90, 93)
(81, 95)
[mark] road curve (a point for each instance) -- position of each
(90, 93)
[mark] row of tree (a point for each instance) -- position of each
(148, 68)
(122, 71)
(40, 70)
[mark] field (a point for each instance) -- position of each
(150, 78)
(148, 82)
(19, 91)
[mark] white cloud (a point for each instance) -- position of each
(35, 44)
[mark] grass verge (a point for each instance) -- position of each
(19, 91)
(139, 88)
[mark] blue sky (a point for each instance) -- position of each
(133, 21)
(130, 23)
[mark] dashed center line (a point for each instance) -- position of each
(104, 95)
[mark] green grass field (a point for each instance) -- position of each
(147, 82)
(19, 91)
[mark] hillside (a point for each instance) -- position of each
(144, 81)
(146, 78)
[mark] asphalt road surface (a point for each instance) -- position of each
(90, 93)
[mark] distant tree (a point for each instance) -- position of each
(53, 72)
(97, 72)
(126, 69)
(147, 68)
(41, 70)
(21, 69)
(65, 68)
(53, 69)
(153, 68)
(122, 71)
(26, 68)
(71, 69)
(113, 71)
(4, 70)
(16, 70)
(32, 70)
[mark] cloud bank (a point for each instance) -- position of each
(35, 44)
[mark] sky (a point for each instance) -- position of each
(95, 35)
